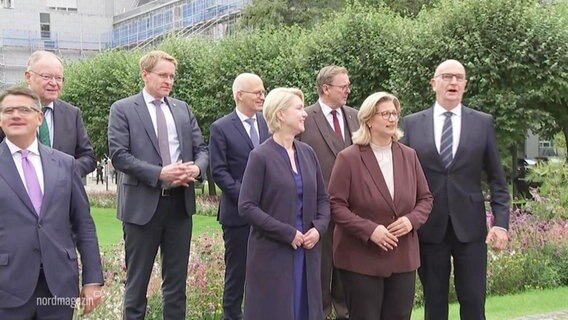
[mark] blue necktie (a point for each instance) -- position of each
(253, 133)
(446, 144)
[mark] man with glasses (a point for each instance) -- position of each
(329, 126)
(45, 219)
(155, 141)
(231, 140)
(455, 145)
(62, 127)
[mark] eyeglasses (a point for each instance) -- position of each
(165, 76)
(25, 110)
(343, 87)
(460, 77)
(386, 115)
(48, 77)
(258, 93)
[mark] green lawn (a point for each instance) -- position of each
(514, 306)
(109, 228)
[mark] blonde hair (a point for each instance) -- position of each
(326, 75)
(149, 61)
(367, 111)
(276, 100)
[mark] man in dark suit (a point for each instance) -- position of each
(155, 141)
(62, 128)
(455, 145)
(45, 218)
(232, 138)
(329, 126)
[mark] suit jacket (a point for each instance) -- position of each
(229, 148)
(63, 226)
(70, 136)
(268, 202)
(360, 201)
(457, 190)
(321, 137)
(134, 150)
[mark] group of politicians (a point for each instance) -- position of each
(326, 211)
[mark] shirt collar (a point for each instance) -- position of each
(148, 97)
(327, 109)
(33, 148)
(49, 105)
(439, 110)
(242, 116)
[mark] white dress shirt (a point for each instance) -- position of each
(175, 148)
(439, 119)
(329, 117)
(384, 158)
(243, 119)
(33, 157)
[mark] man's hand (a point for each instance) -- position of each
(383, 238)
(91, 296)
(400, 227)
(497, 238)
(179, 174)
(311, 238)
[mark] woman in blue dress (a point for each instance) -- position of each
(284, 199)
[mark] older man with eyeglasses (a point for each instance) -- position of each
(456, 146)
(62, 127)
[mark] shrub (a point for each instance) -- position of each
(102, 199)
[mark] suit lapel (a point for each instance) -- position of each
(144, 115)
(12, 178)
(237, 123)
(398, 173)
(351, 125)
(262, 127)
(57, 113)
(370, 162)
(325, 130)
(50, 175)
(428, 131)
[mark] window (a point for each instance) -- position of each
(45, 25)
(7, 4)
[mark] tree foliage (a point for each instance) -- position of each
(515, 53)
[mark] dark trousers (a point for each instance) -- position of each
(170, 230)
(236, 242)
(470, 266)
(378, 298)
(41, 305)
(331, 284)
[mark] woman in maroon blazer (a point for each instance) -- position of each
(284, 199)
(379, 198)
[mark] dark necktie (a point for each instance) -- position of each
(32, 182)
(163, 141)
(446, 144)
(336, 126)
(253, 133)
(43, 133)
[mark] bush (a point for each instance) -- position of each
(102, 199)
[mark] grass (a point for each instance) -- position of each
(109, 228)
(514, 306)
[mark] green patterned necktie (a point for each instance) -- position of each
(44, 129)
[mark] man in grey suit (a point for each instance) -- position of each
(329, 126)
(456, 145)
(45, 218)
(231, 140)
(155, 141)
(62, 128)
